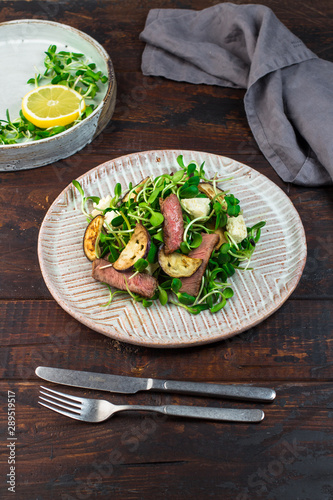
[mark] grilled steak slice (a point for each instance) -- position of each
(191, 285)
(173, 226)
(143, 284)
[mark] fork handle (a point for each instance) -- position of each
(208, 413)
(227, 414)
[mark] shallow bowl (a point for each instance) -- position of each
(22, 47)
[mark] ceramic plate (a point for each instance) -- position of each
(22, 47)
(277, 263)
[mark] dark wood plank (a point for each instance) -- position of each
(293, 344)
(135, 456)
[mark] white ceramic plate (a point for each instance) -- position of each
(22, 47)
(278, 261)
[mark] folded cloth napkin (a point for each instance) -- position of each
(289, 98)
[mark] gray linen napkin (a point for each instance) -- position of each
(289, 98)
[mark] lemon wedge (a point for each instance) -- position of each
(52, 105)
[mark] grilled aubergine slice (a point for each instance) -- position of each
(137, 248)
(177, 265)
(91, 234)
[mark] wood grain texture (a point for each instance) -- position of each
(133, 457)
(287, 346)
(142, 456)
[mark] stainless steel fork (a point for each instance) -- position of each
(98, 410)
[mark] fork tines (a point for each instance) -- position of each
(71, 407)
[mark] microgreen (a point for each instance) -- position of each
(156, 218)
(191, 168)
(176, 285)
(162, 296)
(140, 265)
(185, 248)
(188, 191)
(180, 161)
(117, 221)
(177, 176)
(78, 187)
(112, 294)
(218, 306)
(154, 195)
(185, 298)
(196, 240)
(158, 236)
(166, 285)
(113, 254)
(151, 257)
(233, 208)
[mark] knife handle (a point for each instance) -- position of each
(226, 414)
(241, 392)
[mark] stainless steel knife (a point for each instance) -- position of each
(131, 385)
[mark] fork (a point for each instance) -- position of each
(98, 410)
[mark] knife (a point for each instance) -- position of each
(131, 385)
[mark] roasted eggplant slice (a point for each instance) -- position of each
(208, 189)
(220, 232)
(137, 248)
(136, 191)
(91, 234)
(177, 265)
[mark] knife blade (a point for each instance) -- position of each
(131, 385)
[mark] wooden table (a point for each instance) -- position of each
(135, 456)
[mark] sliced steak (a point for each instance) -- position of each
(173, 226)
(191, 285)
(143, 284)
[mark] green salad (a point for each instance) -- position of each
(179, 236)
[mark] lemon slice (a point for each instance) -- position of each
(52, 105)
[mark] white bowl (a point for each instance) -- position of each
(22, 47)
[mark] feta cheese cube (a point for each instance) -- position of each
(198, 207)
(102, 205)
(109, 216)
(236, 227)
